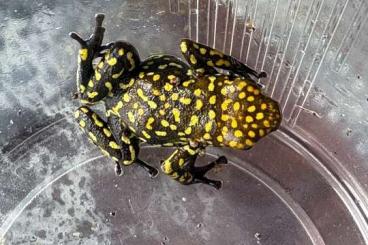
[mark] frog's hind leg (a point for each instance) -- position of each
(203, 59)
(180, 166)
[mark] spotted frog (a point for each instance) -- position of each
(212, 100)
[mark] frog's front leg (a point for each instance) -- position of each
(122, 150)
(180, 166)
(203, 59)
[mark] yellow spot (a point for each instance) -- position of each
(165, 123)
(146, 135)
(156, 77)
(249, 119)
(189, 72)
(233, 143)
(210, 63)
(176, 113)
(238, 133)
(185, 101)
(156, 92)
(162, 112)
(140, 111)
(112, 61)
(195, 46)
(92, 94)
(125, 86)
(251, 134)
(90, 84)
(193, 120)
(256, 92)
(249, 142)
(76, 114)
(225, 104)
(242, 95)
(183, 47)
(211, 87)
(263, 106)
(166, 105)
(266, 123)
(152, 104)
(113, 145)
(96, 121)
(227, 63)
(83, 53)
(82, 88)
(121, 52)
(149, 123)
(250, 98)
(117, 75)
(254, 125)
(108, 85)
(92, 136)
(82, 123)
(220, 138)
(162, 97)
(220, 62)
(216, 52)
(234, 123)
(250, 88)
(107, 132)
(182, 134)
(197, 92)
(168, 87)
(208, 126)
(131, 117)
(187, 83)
(188, 130)
(126, 97)
(199, 104)
(100, 65)
(141, 74)
(225, 130)
(236, 106)
(251, 108)
(224, 117)
(141, 94)
(206, 136)
(241, 85)
(211, 114)
(176, 65)
(190, 150)
(97, 75)
(259, 116)
(224, 91)
(181, 162)
(173, 127)
(202, 51)
(193, 59)
(84, 109)
(161, 67)
(212, 100)
(171, 77)
(261, 132)
(160, 133)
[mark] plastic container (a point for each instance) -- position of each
(305, 184)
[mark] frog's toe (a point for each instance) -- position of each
(118, 170)
(203, 180)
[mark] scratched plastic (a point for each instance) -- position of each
(305, 184)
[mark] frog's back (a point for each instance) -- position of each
(213, 109)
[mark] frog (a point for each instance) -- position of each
(210, 99)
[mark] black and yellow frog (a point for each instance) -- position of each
(213, 101)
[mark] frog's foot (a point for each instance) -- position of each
(93, 43)
(152, 171)
(198, 173)
(118, 169)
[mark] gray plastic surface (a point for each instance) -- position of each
(305, 184)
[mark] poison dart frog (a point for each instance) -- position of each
(212, 100)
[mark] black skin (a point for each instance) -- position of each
(153, 101)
